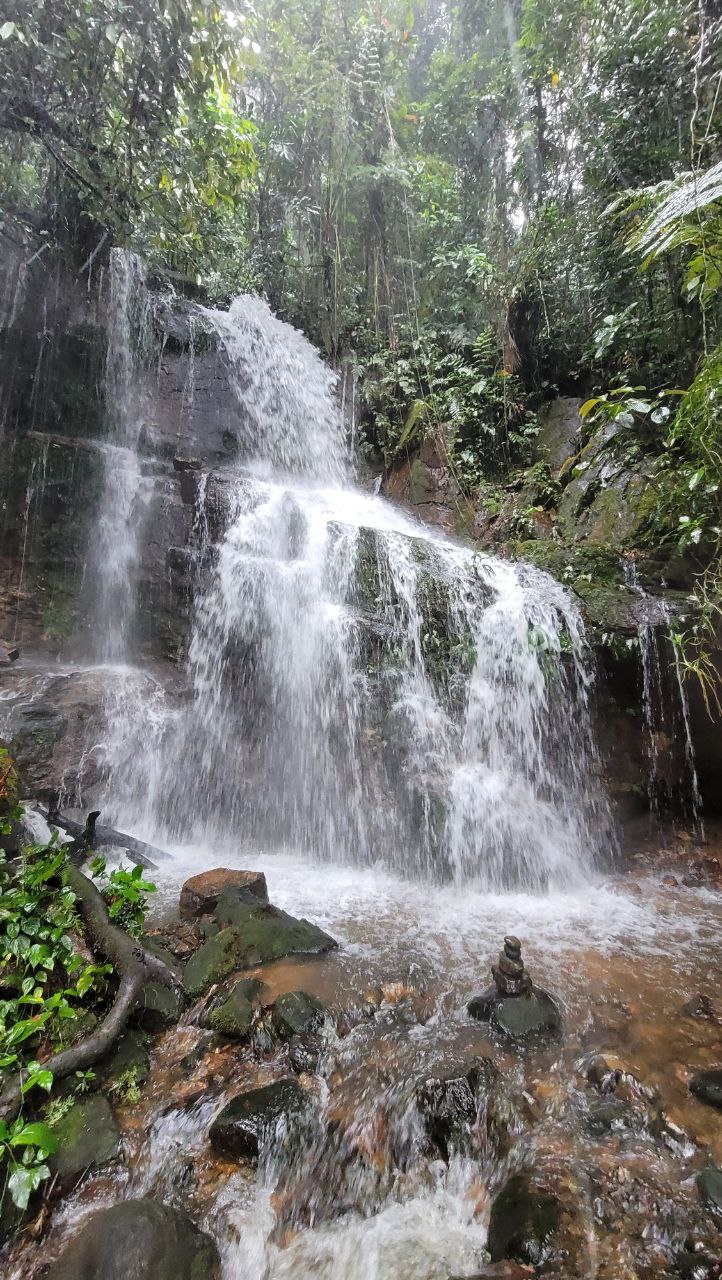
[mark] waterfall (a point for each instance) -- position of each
(114, 550)
(364, 689)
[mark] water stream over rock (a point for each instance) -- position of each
(363, 688)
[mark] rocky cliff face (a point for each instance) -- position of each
(582, 512)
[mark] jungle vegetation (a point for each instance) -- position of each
(479, 204)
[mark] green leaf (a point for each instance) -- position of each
(38, 1135)
(22, 1182)
(588, 405)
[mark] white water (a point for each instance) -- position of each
(115, 547)
(364, 689)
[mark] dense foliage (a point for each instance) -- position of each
(479, 203)
(48, 987)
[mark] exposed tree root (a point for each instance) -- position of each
(134, 965)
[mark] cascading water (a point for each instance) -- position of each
(364, 689)
(115, 546)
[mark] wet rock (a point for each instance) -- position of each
(304, 1053)
(524, 1220)
(88, 1138)
(259, 934)
(707, 1086)
(236, 1015)
(670, 882)
(513, 1006)
(9, 653)
(138, 1240)
(295, 1013)
(700, 1007)
(199, 895)
(129, 1057)
(607, 1115)
(709, 1185)
(605, 1076)
(252, 1118)
(158, 1007)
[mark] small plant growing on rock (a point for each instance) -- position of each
(125, 892)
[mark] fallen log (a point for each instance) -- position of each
(134, 965)
(142, 854)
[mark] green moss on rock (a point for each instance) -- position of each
(250, 936)
(88, 1138)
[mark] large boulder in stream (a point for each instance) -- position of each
(200, 895)
(257, 1116)
(138, 1240)
(248, 936)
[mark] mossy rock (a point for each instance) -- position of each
(130, 1054)
(88, 1138)
(235, 1016)
(297, 1012)
(250, 936)
(159, 1006)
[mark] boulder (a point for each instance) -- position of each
(296, 1013)
(524, 1219)
(199, 895)
(707, 1086)
(138, 1240)
(88, 1138)
(254, 1118)
(258, 934)
(234, 1017)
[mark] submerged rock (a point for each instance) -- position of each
(258, 934)
(707, 1086)
(297, 1013)
(88, 1138)
(513, 1006)
(234, 1017)
(199, 895)
(252, 1117)
(138, 1240)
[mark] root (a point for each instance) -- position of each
(134, 965)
